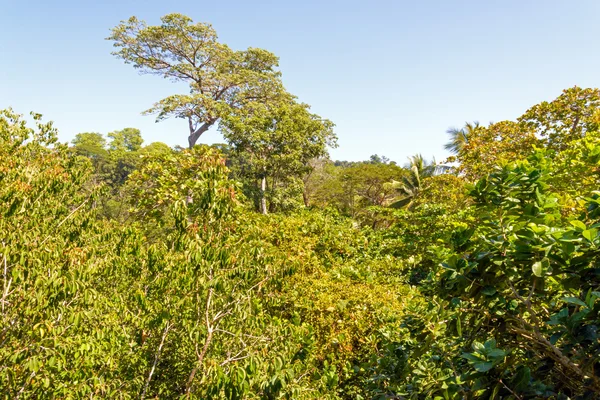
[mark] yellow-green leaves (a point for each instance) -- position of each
(578, 224)
(274, 144)
(220, 79)
(196, 179)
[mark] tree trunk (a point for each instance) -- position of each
(195, 134)
(263, 198)
(306, 198)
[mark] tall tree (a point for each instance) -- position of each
(497, 143)
(220, 79)
(156, 148)
(93, 146)
(315, 178)
(128, 139)
(377, 159)
(568, 117)
(460, 137)
(277, 142)
(411, 186)
(555, 124)
(89, 143)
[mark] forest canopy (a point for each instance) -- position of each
(261, 268)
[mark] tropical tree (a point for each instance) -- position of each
(377, 159)
(277, 143)
(498, 143)
(156, 148)
(568, 117)
(460, 137)
(90, 144)
(410, 186)
(321, 171)
(220, 79)
(366, 184)
(128, 139)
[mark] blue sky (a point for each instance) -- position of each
(392, 75)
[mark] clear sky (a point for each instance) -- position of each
(392, 75)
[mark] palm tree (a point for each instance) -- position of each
(411, 185)
(460, 137)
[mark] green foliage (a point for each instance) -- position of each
(196, 305)
(342, 288)
(569, 117)
(573, 171)
(446, 190)
(513, 311)
(90, 143)
(274, 144)
(494, 145)
(141, 272)
(411, 186)
(220, 79)
(552, 125)
(197, 177)
(352, 188)
(128, 139)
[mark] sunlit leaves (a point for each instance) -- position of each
(220, 79)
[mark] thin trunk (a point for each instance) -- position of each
(272, 206)
(201, 356)
(210, 329)
(263, 197)
(306, 199)
(156, 358)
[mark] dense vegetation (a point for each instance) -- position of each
(261, 269)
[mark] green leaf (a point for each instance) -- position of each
(489, 290)
(495, 391)
(490, 343)
(496, 353)
(578, 224)
(470, 357)
(537, 269)
(483, 366)
(590, 234)
(478, 346)
(521, 378)
(574, 300)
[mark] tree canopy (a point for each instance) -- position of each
(221, 80)
(277, 142)
(146, 272)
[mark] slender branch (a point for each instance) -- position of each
(234, 358)
(6, 285)
(531, 291)
(156, 358)
(510, 390)
(575, 123)
(201, 356)
(24, 385)
(303, 375)
(65, 219)
(207, 341)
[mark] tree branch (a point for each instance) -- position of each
(156, 358)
